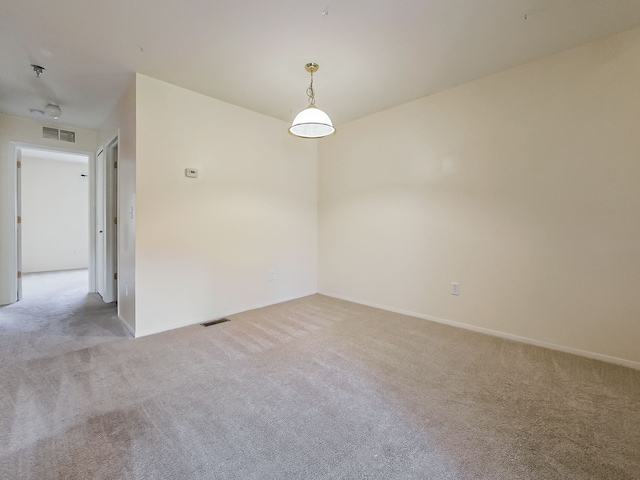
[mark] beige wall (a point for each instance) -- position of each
(523, 186)
(27, 132)
(55, 215)
(205, 246)
(122, 123)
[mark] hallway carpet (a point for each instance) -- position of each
(315, 388)
(56, 315)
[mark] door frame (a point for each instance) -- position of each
(15, 259)
(19, 222)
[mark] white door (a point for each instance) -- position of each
(107, 223)
(100, 224)
(111, 223)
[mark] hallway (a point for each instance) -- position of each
(55, 316)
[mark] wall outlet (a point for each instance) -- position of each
(191, 172)
(272, 275)
(455, 288)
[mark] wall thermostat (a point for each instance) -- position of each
(191, 172)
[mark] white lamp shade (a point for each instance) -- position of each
(312, 123)
(53, 110)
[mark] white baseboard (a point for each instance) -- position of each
(127, 326)
(214, 316)
(496, 333)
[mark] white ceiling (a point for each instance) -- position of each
(373, 54)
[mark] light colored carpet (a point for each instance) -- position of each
(309, 389)
(56, 316)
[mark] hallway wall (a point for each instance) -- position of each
(121, 122)
(55, 215)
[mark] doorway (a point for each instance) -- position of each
(53, 206)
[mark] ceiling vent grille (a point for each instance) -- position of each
(68, 136)
(48, 132)
(62, 135)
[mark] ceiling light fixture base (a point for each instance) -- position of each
(311, 67)
(38, 69)
(52, 110)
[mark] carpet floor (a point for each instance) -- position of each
(315, 388)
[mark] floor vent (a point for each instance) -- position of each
(214, 322)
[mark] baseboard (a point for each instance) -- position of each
(127, 326)
(495, 333)
(213, 316)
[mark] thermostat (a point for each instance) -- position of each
(191, 172)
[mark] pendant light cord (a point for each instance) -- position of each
(310, 93)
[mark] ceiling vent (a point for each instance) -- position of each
(56, 134)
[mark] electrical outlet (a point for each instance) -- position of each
(455, 288)
(272, 275)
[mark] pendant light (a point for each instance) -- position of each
(312, 122)
(52, 110)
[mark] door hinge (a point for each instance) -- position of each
(19, 274)
(115, 220)
(115, 276)
(115, 164)
(19, 219)
(19, 164)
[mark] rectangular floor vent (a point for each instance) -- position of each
(214, 322)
